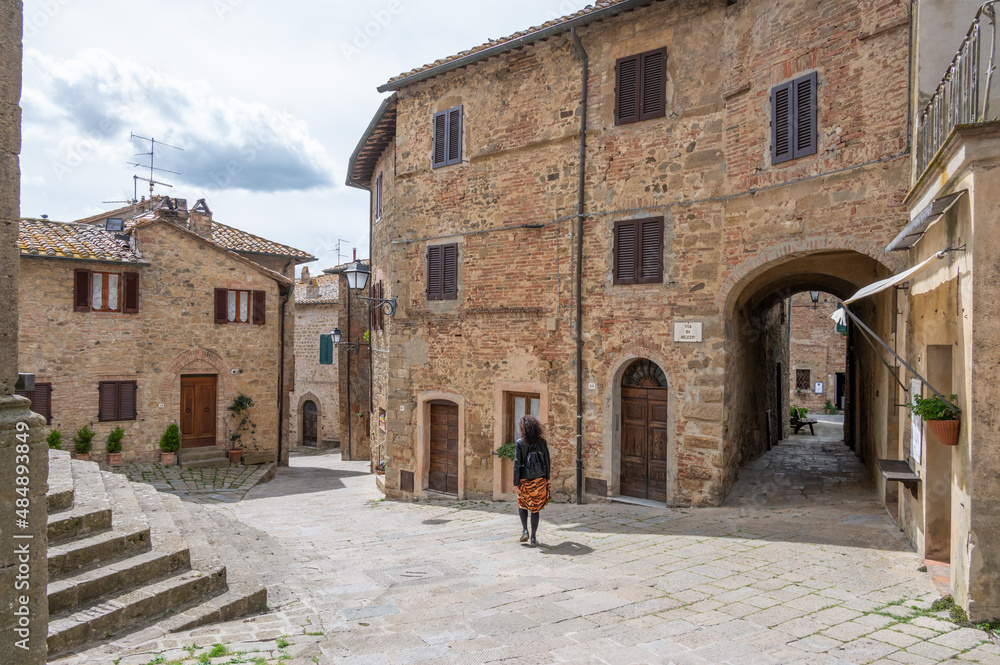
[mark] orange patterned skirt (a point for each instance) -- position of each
(534, 494)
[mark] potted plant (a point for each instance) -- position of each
(240, 408)
(941, 416)
(380, 468)
(115, 446)
(170, 443)
(54, 439)
(83, 442)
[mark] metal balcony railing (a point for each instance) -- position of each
(963, 96)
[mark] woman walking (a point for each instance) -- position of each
(531, 475)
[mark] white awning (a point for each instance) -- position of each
(878, 287)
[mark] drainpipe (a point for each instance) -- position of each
(281, 361)
(350, 411)
(585, 74)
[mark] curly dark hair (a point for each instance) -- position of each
(531, 429)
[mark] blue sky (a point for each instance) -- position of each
(267, 100)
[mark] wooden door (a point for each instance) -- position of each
(198, 411)
(310, 422)
(644, 443)
(443, 476)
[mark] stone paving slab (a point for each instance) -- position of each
(200, 485)
(765, 579)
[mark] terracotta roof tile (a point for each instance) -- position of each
(327, 294)
(86, 242)
(241, 241)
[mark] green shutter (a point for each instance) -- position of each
(326, 349)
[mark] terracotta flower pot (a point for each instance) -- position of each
(946, 431)
(83, 457)
(235, 455)
(168, 459)
(114, 459)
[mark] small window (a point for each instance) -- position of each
(97, 291)
(376, 318)
(793, 119)
(238, 306)
(516, 406)
(641, 87)
(442, 272)
(326, 349)
(638, 251)
(447, 137)
(802, 380)
(116, 400)
(378, 197)
(41, 400)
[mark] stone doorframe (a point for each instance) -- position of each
(612, 459)
(300, 435)
(421, 477)
(199, 361)
(499, 389)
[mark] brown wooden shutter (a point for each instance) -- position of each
(221, 306)
(378, 197)
(373, 309)
(449, 271)
(434, 272)
(41, 401)
(627, 90)
(455, 135)
(107, 401)
(653, 84)
(259, 301)
(440, 150)
(804, 102)
(381, 312)
(626, 247)
(126, 400)
(130, 304)
(81, 290)
(650, 250)
(781, 123)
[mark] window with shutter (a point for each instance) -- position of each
(442, 272)
(638, 251)
(238, 306)
(130, 305)
(434, 273)
(41, 400)
(378, 198)
(794, 130)
(259, 303)
(116, 400)
(641, 87)
(326, 349)
(81, 290)
(447, 139)
(221, 305)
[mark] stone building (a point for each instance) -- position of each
(599, 219)
(159, 321)
(817, 353)
(316, 398)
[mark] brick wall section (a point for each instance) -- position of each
(173, 334)
(818, 347)
(512, 320)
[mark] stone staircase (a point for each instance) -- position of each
(123, 556)
(208, 456)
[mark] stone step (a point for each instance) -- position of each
(207, 463)
(128, 609)
(91, 509)
(95, 550)
(208, 456)
(59, 496)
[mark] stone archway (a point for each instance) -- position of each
(199, 361)
(300, 409)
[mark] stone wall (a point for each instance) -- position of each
(705, 168)
(173, 334)
(313, 381)
(816, 346)
(354, 376)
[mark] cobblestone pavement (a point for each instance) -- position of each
(801, 566)
(227, 484)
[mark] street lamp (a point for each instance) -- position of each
(815, 298)
(357, 278)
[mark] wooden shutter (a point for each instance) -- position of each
(130, 303)
(626, 246)
(378, 197)
(650, 233)
(627, 90)
(653, 84)
(440, 150)
(259, 301)
(781, 123)
(221, 306)
(126, 400)
(41, 400)
(804, 105)
(326, 349)
(449, 272)
(434, 272)
(454, 135)
(380, 323)
(107, 401)
(81, 290)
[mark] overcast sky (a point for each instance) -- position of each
(267, 99)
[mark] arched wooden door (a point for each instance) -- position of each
(310, 424)
(443, 474)
(644, 432)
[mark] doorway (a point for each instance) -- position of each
(198, 410)
(644, 432)
(310, 424)
(443, 475)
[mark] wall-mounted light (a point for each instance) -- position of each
(815, 297)
(337, 336)
(357, 278)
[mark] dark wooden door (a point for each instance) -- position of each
(198, 411)
(443, 476)
(310, 422)
(644, 443)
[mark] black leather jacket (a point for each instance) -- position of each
(521, 452)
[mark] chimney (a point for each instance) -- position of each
(305, 278)
(172, 210)
(200, 219)
(355, 254)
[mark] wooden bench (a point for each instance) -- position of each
(798, 423)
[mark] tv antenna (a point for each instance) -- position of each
(339, 254)
(152, 169)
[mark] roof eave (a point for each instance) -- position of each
(521, 41)
(29, 255)
(365, 137)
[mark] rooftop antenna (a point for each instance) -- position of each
(152, 169)
(339, 253)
